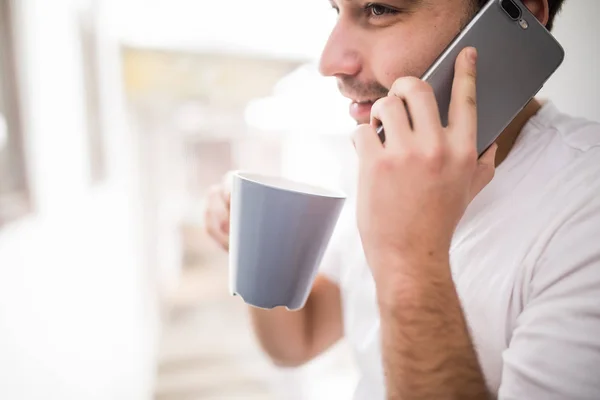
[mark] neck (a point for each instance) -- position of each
(507, 138)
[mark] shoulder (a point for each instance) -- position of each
(581, 135)
(569, 150)
(566, 251)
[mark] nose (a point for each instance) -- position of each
(340, 57)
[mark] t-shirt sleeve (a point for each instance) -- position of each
(554, 352)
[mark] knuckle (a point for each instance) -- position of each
(411, 85)
(384, 103)
(380, 101)
(385, 164)
(224, 225)
(434, 156)
(471, 100)
(468, 156)
(420, 86)
(390, 104)
(389, 101)
(471, 74)
(407, 156)
(434, 151)
(386, 106)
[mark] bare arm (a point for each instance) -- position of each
(412, 192)
(292, 338)
(426, 347)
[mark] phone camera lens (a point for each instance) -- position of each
(511, 9)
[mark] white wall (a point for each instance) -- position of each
(575, 87)
(77, 314)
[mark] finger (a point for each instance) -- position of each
(226, 186)
(462, 114)
(220, 194)
(226, 197)
(366, 141)
(218, 207)
(421, 102)
(215, 231)
(486, 168)
(390, 111)
(221, 214)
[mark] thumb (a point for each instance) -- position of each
(484, 173)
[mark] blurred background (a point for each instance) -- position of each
(115, 118)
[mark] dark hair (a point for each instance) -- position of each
(555, 6)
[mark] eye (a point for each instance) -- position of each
(379, 10)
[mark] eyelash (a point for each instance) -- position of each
(387, 11)
(368, 9)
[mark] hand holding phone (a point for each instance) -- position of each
(516, 56)
(413, 191)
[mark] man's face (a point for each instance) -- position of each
(373, 44)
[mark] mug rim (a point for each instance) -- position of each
(279, 182)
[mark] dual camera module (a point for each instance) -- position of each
(514, 12)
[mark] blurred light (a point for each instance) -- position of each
(303, 102)
(191, 116)
(268, 27)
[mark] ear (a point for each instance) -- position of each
(539, 8)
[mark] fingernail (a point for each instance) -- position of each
(472, 55)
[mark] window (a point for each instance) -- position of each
(14, 200)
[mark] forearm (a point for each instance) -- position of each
(427, 350)
(291, 338)
(281, 334)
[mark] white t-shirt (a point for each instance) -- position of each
(526, 263)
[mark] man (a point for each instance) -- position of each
(450, 284)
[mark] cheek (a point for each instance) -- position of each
(410, 52)
(407, 58)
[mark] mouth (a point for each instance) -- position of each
(360, 110)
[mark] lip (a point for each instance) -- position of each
(361, 111)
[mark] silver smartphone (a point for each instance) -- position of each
(516, 56)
